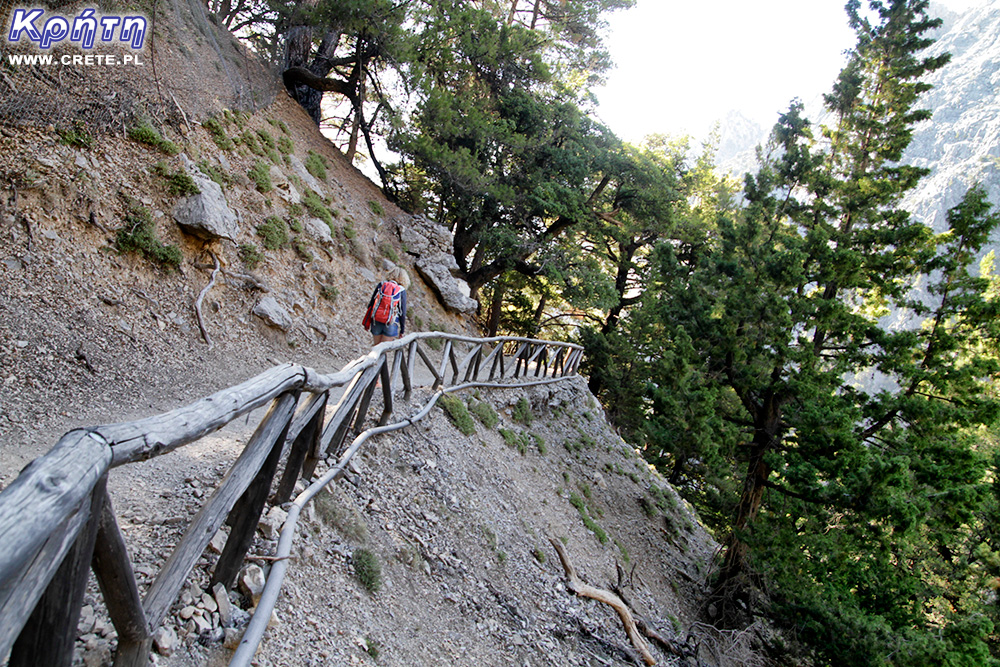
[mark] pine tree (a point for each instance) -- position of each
(852, 443)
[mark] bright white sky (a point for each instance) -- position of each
(682, 65)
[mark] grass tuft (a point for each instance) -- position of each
(144, 133)
(458, 413)
(369, 569)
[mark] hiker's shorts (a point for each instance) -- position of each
(379, 329)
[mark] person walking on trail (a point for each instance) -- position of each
(385, 316)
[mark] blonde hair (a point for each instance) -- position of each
(399, 275)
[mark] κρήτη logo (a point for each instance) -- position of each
(84, 29)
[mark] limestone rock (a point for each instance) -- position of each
(270, 524)
(272, 312)
(252, 582)
(307, 179)
(206, 215)
(283, 187)
(165, 641)
(432, 244)
(318, 230)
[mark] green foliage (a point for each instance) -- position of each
(337, 512)
(743, 369)
(250, 255)
(260, 174)
(315, 205)
(249, 140)
(266, 140)
(521, 412)
(389, 253)
(144, 133)
(273, 233)
(581, 507)
(457, 413)
(485, 413)
(302, 250)
(218, 134)
(368, 569)
(316, 165)
(375, 208)
(214, 173)
(138, 235)
(285, 146)
(76, 136)
(329, 292)
(179, 182)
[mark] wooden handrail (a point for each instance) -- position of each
(56, 517)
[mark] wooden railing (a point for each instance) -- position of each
(57, 521)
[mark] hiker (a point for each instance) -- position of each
(385, 316)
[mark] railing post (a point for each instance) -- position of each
(245, 515)
(50, 633)
(113, 571)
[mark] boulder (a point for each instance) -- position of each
(273, 313)
(454, 292)
(318, 230)
(432, 244)
(207, 214)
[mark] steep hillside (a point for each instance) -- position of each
(99, 324)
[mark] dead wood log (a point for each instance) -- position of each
(577, 586)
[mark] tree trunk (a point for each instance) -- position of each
(298, 52)
(768, 424)
(495, 304)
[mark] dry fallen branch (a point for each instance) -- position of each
(201, 297)
(577, 586)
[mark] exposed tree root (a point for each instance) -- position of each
(577, 586)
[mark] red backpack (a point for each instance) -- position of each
(385, 308)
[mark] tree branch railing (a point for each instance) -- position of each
(57, 521)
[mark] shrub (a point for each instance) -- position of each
(457, 412)
(273, 232)
(214, 173)
(302, 250)
(376, 208)
(138, 235)
(329, 292)
(314, 204)
(389, 253)
(266, 139)
(522, 412)
(316, 165)
(368, 568)
(250, 255)
(144, 133)
(335, 510)
(249, 140)
(77, 136)
(285, 145)
(485, 413)
(179, 183)
(540, 443)
(261, 176)
(295, 225)
(218, 134)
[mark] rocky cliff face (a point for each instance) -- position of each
(961, 142)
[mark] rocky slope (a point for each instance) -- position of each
(93, 332)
